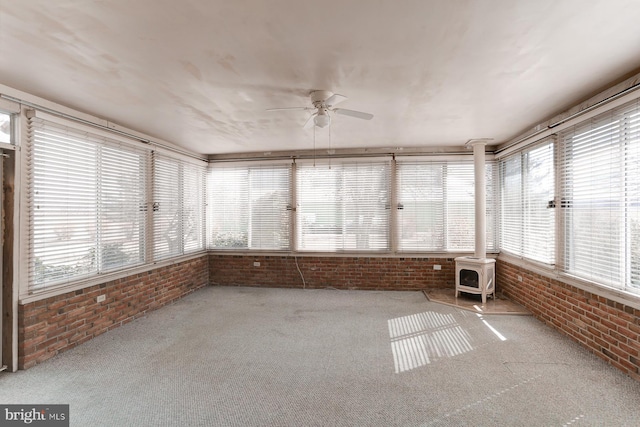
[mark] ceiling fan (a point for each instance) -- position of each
(323, 102)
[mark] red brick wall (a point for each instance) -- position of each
(334, 272)
(50, 326)
(609, 329)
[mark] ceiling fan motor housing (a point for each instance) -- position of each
(319, 96)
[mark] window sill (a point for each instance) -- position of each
(344, 254)
(103, 278)
(550, 271)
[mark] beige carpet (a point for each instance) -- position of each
(225, 356)
(470, 302)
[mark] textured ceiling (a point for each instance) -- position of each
(200, 73)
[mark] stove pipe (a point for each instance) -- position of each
(480, 195)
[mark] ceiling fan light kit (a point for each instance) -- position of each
(323, 102)
(322, 119)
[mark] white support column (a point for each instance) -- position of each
(480, 196)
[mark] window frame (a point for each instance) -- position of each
(348, 168)
(606, 118)
(27, 291)
(491, 194)
(181, 167)
(44, 130)
(285, 167)
(525, 213)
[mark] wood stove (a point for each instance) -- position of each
(476, 276)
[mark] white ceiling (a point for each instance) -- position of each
(200, 73)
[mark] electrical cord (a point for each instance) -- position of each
(304, 284)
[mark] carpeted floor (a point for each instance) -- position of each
(228, 356)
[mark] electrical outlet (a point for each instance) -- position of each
(256, 263)
(519, 278)
(437, 267)
(101, 298)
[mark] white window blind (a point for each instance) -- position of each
(511, 204)
(600, 198)
(460, 207)
(632, 200)
(229, 208)
(86, 204)
(421, 205)
(178, 206)
(250, 206)
(528, 216)
(194, 207)
(343, 206)
(436, 202)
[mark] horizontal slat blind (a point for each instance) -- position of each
(632, 178)
(269, 207)
(600, 198)
(194, 207)
(528, 186)
(122, 206)
(250, 207)
(492, 181)
(460, 211)
(436, 202)
(539, 218)
(421, 205)
(167, 217)
(86, 204)
(511, 204)
(343, 206)
(229, 208)
(178, 206)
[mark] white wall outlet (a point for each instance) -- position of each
(519, 278)
(437, 267)
(101, 298)
(256, 263)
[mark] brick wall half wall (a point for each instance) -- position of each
(332, 272)
(50, 326)
(608, 328)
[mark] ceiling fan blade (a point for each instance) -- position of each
(309, 123)
(334, 99)
(352, 113)
(287, 108)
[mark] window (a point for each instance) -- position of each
(250, 206)
(528, 217)
(436, 203)
(178, 206)
(600, 198)
(87, 204)
(343, 206)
